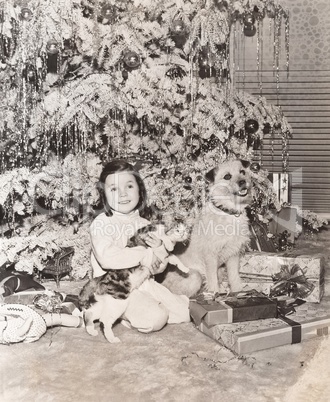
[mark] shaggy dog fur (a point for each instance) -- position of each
(220, 234)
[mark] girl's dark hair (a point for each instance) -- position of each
(116, 166)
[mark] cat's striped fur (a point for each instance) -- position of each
(104, 298)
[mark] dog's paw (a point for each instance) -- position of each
(92, 331)
(206, 296)
(236, 287)
(183, 268)
(114, 340)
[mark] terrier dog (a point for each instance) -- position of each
(220, 233)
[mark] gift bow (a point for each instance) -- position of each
(291, 282)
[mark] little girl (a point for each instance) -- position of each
(124, 196)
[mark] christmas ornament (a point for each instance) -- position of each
(255, 167)
(178, 27)
(203, 61)
(164, 172)
(26, 14)
(131, 59)
(87, 12)
(251, 126)
(206, 60)
(30, 73)
(52, 47)
(178, 33)
(188, 179)
(250, 30)
(108, 13)
(248, 20)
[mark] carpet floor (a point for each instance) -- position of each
(176, 364)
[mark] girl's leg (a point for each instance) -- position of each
(145, 313)
(176, 305)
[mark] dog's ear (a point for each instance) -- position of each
(210, 176)
(245, 163)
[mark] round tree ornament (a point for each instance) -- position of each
(249, 20)
(164, 172)
(188, 179)
(26, 14)
(255, 167)
(251, 126)
(108, 13)
(178, 27)
(52, 47)
(131, 59)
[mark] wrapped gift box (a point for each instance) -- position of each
(257, 270)
(309, 321)
(237, 307)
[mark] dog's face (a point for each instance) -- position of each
(230, 185)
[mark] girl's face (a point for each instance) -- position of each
(122, 192)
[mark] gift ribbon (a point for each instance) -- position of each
(296, 329)
(285, 309)
(292, 282)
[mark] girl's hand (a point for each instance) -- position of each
(156, 265)
(153, 241)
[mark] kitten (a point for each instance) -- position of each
(178, 234)
(105, 298)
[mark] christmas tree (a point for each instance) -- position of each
(84, 81)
